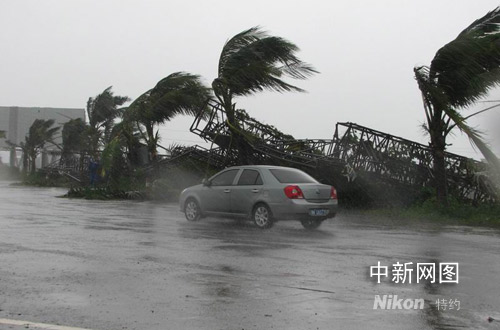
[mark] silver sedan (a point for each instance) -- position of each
(264, 193)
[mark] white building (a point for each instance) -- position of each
(16, 122)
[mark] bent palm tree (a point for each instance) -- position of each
(461, 73)
(102, 110)
(251, 62)
(40, 133)
(180, 93)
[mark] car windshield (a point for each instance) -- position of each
(291, 176)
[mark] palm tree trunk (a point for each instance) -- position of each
(238, 140)
(244, 150)
(25, 163)
(440, 180)
(81, 168)
(33, 163)
(438, 146)
(153, 153)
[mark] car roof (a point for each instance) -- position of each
(261, 166)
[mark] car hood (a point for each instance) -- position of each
(192, 188)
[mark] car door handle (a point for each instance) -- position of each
(255, 190)
(227, 191)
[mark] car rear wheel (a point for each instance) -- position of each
(262, 216)
(311, 223)
(192, 210)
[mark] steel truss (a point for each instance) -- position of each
(355, 151)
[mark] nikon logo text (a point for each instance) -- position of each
(393, 302)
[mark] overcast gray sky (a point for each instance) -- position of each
(57, 53)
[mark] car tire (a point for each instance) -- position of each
(262, 216)
(192, 210)
(311, 223)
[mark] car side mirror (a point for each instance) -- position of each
(206, 182)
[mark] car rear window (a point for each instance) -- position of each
(291, 176)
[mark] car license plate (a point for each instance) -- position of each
(318, 212)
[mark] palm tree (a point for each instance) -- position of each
(40, 133)
(128, 134)
(251, 62)
(180, 93)
(461, 73)
(102, 111)
(73, 137)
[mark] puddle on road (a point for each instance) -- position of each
(252, 249)
(118, 228)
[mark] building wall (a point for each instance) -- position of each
(16, 121)
(4, 122)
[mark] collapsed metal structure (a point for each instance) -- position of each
(359, 161)
(365, 165)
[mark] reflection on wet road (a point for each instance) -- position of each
(140, 265)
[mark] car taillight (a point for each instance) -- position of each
(293, 192)
(333, 193)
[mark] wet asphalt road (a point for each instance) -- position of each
(140, 265)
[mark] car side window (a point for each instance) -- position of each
(224, 179)
(250, 178)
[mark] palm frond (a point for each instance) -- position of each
(39, 133)
(432, 95)
(104, 107)
(180, 93)
(424, 128)
(486, 24)
(252, 62)
(474, 136)
(467, 68)
(237, 42)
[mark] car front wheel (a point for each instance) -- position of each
(192, 210)
(311, 223)
(262, 216)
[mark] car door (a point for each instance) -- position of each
(246, 191)
(216, 196)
